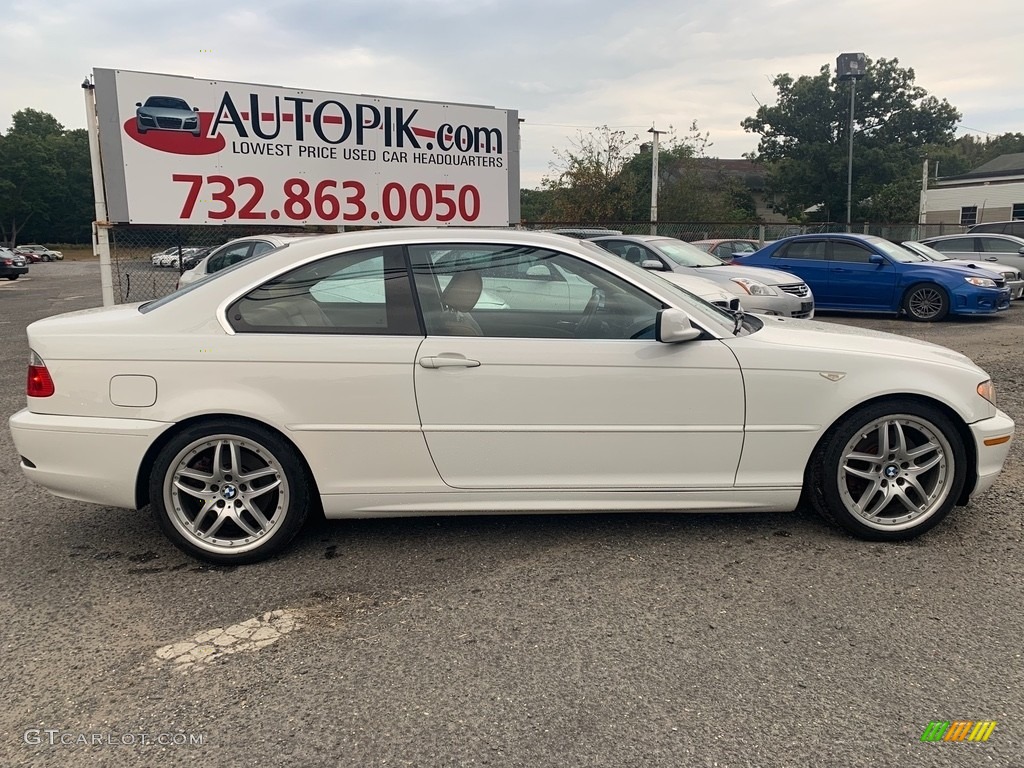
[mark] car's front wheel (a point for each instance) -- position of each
(12, 277)
(229, 492)
(888, 471)
(926, 303)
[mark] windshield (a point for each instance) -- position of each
(704, 312)
(895, 252)
(926, 250)
(684, 254)
(165, 102)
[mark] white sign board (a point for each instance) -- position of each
(178, 150)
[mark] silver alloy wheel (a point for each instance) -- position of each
(896, 472)
(226, 494)
(926, 303)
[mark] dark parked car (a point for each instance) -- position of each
(12, 265)
(863, 273)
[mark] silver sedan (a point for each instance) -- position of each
(1009, 272)
(763, 291)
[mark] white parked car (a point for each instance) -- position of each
(233, 252)
(234, 405)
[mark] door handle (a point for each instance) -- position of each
(445, 361)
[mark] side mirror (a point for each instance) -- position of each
(138, 103)
(1021, 250)
(673, 325)
(652, 264)
(874, 258)
(195, 109)
(538, 270)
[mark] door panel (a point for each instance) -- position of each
(582, 413)
(855, 282)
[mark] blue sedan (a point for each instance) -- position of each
(862, 273)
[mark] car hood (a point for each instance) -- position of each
(695, 284)
(836, 338)
(761, 274)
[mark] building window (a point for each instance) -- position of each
(1018, 211)
(968, 215)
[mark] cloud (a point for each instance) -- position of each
(564, 64)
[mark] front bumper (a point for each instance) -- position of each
(785, 305)
(991, 457)
(84, 458)
(1016, 289)
(979, 301)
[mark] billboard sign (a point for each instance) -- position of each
(180, 150)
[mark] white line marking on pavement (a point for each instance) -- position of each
(212, 644)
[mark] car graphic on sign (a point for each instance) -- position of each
(166, 113)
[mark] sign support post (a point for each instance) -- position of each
(100, 225)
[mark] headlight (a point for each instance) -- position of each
(981, 282)
(753, 287)
(988, 390)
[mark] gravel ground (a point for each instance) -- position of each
(590, 640)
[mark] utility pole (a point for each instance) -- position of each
(852, 67)
(654, 179)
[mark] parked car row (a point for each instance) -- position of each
(189, 257)
(35, 254)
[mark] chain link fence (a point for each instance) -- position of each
(147, 261)
(731, 230)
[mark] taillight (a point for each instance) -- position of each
(39, 382)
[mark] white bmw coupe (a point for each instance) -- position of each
(362, 373)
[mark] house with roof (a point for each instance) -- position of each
(991, 192)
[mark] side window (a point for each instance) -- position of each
(809, 250)
(995, 245)
(223, 259)
(850, 252)
(361, 292)
(956, 245)
(261, 246)
(468, 292)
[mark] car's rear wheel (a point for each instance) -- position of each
(889, 471)
(229, 492)
(926, 303)
(12, 277)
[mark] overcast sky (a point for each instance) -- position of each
(566, 65)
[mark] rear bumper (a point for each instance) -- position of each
(991, 457)
(84, 458)
(11, 271)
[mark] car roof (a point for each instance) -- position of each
(997, 235)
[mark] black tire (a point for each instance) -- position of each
(203, 502)
(860, 476)
(926, 303)
(12, 277)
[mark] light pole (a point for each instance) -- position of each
(852, 67)
(654, 179)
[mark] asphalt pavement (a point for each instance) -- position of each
(533, 641)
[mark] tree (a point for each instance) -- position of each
(45, 181)
(586, 181)
(804, 138)
(604, 176)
